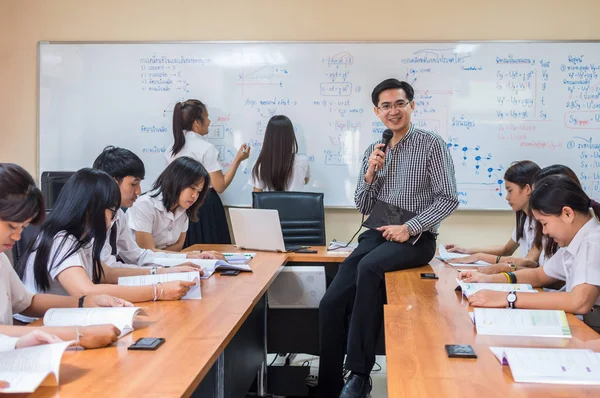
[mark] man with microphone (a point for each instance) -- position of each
(407, 187)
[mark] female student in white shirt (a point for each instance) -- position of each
(279, 167)
(21, 204)
(160, 218)
(518, 180)
(65, 258)
(569, 217)
(190, 127)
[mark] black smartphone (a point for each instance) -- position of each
(429, 275)
(230, 272)
(460, 351)
(306, 251)
(147, 343)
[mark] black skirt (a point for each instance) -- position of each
(212, 223)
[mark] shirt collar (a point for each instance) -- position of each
(189, 134)
(159, 205)
(577, 240)
(408, 135)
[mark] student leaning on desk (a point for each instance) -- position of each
(21, 204)
(570, 217)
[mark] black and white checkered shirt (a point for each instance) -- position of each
(418, 176)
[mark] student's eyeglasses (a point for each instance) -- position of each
(386, 107)
(114, 213)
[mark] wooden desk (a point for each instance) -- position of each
(424, 315)
(196, 333)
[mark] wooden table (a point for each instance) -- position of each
(424, 315)
(196, 333)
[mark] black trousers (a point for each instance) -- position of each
(351, 312)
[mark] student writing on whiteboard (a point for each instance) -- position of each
(65, 257)
(22, 204)
(569, 217)
(160, 218)
(518, 180)
(416, 174)
(120, 249)
(279, 167)
(190, 127)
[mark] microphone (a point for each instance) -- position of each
(386, 137)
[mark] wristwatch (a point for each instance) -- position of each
(153, 270)
(512, 299)
(513, 267)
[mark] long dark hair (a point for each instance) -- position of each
(549, 246)
(275, 162)
(183, 172)
(79, 212)
(553, 193)
(184, 116)
(521, 173)
(20, 199)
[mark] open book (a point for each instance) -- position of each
(208, 266)
(145, 280)
(121, 317)
(516, 322)
(470, 288)
(26, 368)
(551, 365)
(238, 258)
(446, 256)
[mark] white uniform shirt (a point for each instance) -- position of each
(14, 297)
(580, 261)
(127, 248)
(526, 241)
(197, 147)
(300, 171)
(149, 215)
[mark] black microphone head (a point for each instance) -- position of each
(387, 136)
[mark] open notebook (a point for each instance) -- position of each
(470, 288)
(517, 322)
(208, 266)
(446, 256)
(146, 280)
(25, 369)
(551, 365)
(121, 317)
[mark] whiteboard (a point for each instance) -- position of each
(493, 103)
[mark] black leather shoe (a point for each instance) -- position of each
(356, 387)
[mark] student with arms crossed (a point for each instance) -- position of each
(65, 257)
(569, 217)
(518, 180)
(22, 204)
(190, 127)
(128, 171)
(279, 167)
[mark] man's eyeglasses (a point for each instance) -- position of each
(386, 107)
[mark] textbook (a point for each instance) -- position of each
(470, 288)
(121, 317)
(446, 256)
(208, 266)
(144, 280)
(517, 322)
(551, 365)
(25, 369)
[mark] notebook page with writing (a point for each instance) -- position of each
(145, 280)
(519, 322)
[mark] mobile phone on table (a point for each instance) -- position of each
(230, 272)
(460, 351)
(428, 275)
(147, 343)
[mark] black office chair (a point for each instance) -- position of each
(302, 215)
(52, 184)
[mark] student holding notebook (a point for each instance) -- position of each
(190, 127)
(279, 167)
(569, 217)
(65, 258)
(120, 249)
(518, 180)
(160, 218)
(21, 204)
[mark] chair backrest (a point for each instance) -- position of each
(52, 184)
(301, 214)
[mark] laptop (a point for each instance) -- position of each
(258, 229)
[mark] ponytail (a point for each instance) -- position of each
(184, 116)
(554, 192)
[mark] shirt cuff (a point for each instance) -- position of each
(8, 343)
(413, 226)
